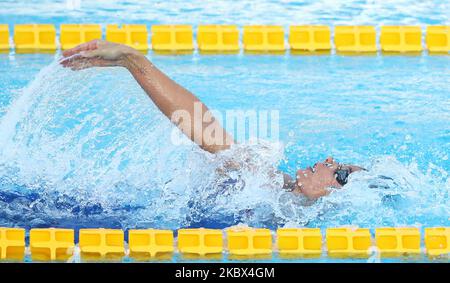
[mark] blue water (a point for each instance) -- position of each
(89, 149)
(227, 12)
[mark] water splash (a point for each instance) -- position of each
(351, 12)
(389, 194)
(89, 149)
(95, 146)
(79, 150)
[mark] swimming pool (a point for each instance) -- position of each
(89, 149)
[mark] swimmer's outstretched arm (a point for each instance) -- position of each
(169, 96)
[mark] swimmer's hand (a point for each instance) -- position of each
(97, 53)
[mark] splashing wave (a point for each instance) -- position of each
(78, 150)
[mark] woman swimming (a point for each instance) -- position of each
(312, 182)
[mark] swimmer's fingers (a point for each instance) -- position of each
(80, 58)
(75, 65)
(91, 53)
(88, 46)
(85, 63)
(71, 61)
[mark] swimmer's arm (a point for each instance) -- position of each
(170, 97)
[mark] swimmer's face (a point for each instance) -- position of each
(314, 181)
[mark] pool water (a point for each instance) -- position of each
(89, 149)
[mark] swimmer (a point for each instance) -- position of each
(312, 182)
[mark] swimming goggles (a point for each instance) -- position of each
(341, 174)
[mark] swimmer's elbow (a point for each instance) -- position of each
(215, 148)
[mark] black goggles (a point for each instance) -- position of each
(341, 174)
